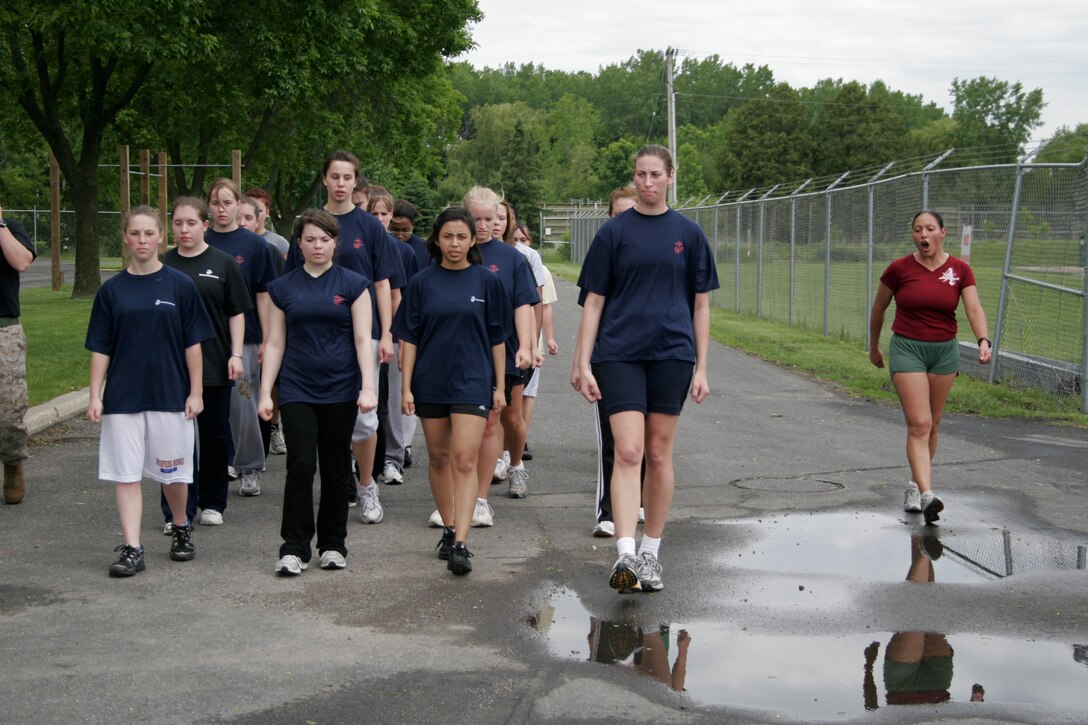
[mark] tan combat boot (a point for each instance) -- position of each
(14, 483)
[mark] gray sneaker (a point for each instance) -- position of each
(519, 482)
(624, 575)
(251, 484)
(332, 559)
(912, 499)
(649, 573)
(277, 446)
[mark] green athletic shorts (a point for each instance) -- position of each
(906, 355)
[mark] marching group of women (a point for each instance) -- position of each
(213, 334)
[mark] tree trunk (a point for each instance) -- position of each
(85, 199)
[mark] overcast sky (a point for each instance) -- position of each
(914, 46)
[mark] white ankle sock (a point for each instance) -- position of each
(649, 544)
(625, 545)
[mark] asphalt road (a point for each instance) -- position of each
(40, 273)
(395, 638)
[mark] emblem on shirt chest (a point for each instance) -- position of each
(678, 247)
(338, 299)
(358, 244)
(494, 268)
(950, 277)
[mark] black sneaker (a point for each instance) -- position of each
(407, 456)
(445, 544)
(459, 562)
(181, 548)
(527, 455)
(131, 561)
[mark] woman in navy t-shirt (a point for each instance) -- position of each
(144, 335)
(923, 355)
(318, 342)
(453, 323)
(645, 330)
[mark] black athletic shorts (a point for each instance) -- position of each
(648, 386)
(444, 410)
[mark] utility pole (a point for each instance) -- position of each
(670, 62)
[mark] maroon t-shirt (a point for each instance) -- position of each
(925, 301)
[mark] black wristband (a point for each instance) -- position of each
(986, 339)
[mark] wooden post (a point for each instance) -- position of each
(236, 166)
(126, 196)
(163, 200)
(54, 221)
(145, 176)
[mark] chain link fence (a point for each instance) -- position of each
(39, 226)
(810, 255)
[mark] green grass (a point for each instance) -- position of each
(56, 327)
(841, 361)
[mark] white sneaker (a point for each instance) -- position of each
(501, 467)
(168, 530)
(641, 515)
(435, 521)
(290, 565)
(251, 484)
(370, 508)
(392, 474)
(277, 446)
(912, 499)
(483, 514)
(210, 517)
(604, 529)
(232, 472)
(519, 482)
(332, 559)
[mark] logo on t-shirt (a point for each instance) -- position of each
(678, 247)
(338, 299)
(950, 277)
(358, 244)
(239, 259)
(164, 302)
(210, 274)
(494, 268)
(474, 298)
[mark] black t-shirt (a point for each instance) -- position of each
(9, 278)
(224, 294)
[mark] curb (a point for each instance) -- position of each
(59, 409)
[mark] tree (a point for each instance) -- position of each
(572, 126)
(615, 165)
(768, 140)
(73, 67)
(854, 131)
(1066, 146)
(503, 133)
(994, 119)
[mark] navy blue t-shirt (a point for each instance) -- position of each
(319, 361)
(517, 279)
(255, 258)
(423, 257)
(144, 323)
(648, 269)
(408, 260)
(364, 247)
(454, 318)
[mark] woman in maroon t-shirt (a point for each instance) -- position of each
(923, 354)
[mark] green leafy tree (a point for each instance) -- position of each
(1066, 146)
(769, 140)
(502, 134)
(568, 168)
(72, 68)
(994, 118)
(615, 165)
(855, 131)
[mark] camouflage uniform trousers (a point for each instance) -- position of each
(13, 395)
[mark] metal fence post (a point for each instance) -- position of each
(872, 243)
(925, 176)
(736, 270)
(827, 255)
(1084, 332)
(759, 255)
(793, 247)
(1013, 220)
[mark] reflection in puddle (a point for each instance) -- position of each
(836, 676)
(822, 677)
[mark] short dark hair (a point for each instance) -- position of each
(195, 203)
(342, 156)
(935, 214)
(453, 214)
(406, 209)
(321, 219)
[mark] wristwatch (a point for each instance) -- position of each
(3, 223)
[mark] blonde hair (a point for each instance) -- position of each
(482, 196)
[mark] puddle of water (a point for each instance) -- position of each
(821, 677)
(875, 547)
(818, 561)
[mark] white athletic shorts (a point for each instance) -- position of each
(366, 424)
(154, 444)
